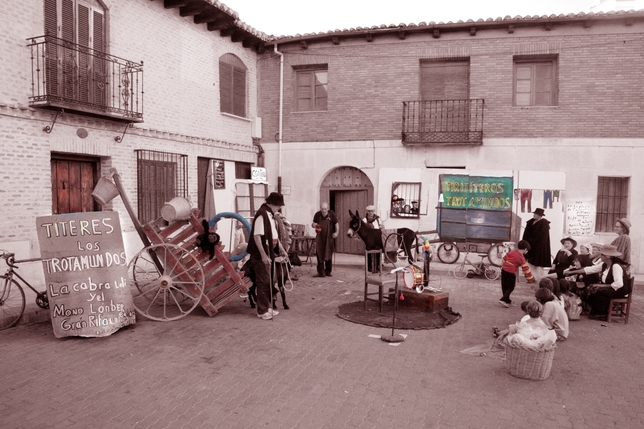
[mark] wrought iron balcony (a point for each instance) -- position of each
(443, 122)
(68, 76)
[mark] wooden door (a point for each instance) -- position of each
(73, 182)
(342, 202)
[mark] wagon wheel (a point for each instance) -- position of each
(166, 282)
(448, 253)
(492, 272)
(394, 249)
(495, 254)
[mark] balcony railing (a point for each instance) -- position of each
(443, 122)
(68, 76)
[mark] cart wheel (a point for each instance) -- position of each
(166, 282)
(395, 249)
(461, 271)
(492, 273)
(495, 254)
(448, 253)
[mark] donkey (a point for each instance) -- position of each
(373, 237)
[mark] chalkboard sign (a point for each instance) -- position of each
(85, 273)
(219, 175)
(475, 208)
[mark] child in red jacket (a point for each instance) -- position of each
(511, 263)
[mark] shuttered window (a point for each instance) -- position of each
(444, 80)
(232, 85)
(311, 90)
(535, 82)
(81, 22)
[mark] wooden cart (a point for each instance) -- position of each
(171, 276)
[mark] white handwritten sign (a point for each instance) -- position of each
(85, 273)
(580, 219)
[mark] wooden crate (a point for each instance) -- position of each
(426, 300)
(222, 282)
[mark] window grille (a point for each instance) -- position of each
(612, 202)
(405, 199)
(161, 176)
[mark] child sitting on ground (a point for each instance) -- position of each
(532, 333)
(572, 303)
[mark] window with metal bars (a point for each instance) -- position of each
(249, 198)
(405, 199)
(161, 176)
(612, 202)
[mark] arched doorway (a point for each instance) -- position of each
(347, 188)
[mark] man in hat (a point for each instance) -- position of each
(326, 226)
(372, 219)
(613, 282)
(263, 247)
(537, 234)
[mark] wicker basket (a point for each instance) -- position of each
(528, 364)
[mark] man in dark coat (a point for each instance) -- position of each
(537, 233)
(326, 226)
(263, 246)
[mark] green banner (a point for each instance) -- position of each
(476, 192)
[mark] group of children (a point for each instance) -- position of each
(554, 300)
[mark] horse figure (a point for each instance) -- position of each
(373, 238)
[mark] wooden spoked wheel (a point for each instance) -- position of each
(448, 253)
(166, 282)
(495, 254)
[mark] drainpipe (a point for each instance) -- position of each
(280, 113)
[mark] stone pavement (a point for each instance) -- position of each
(308, 368)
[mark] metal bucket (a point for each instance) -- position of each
(105, 191)
(177, 209)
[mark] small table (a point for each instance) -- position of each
(304, 245)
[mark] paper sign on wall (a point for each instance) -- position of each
(86, 273)
(580, 219)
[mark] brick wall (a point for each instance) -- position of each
(181, 108)
(599, 76)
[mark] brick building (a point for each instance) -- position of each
(352, 117)
(159, 90)
(554, 103)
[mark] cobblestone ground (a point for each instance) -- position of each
(310, 369)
